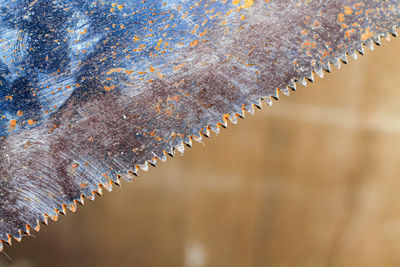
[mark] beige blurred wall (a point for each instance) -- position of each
(313, 180)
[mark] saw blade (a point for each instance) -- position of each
(91, 91)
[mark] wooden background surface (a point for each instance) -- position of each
(313, 180)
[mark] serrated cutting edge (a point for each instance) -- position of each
(72, 207)
(248, 105)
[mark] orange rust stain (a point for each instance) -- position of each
(178, 67)
(341, 17)
(367, 34)
(225, 117)
(348, 10)
(203, 33)
(20, 113)
(349, 32)
(109, 88)
(13, 123)
(194, 43)
(247, 3)
(31, 122)
(111, 71)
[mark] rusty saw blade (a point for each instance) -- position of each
(93, 90)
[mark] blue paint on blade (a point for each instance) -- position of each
(50, 49)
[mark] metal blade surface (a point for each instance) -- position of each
(91, 90)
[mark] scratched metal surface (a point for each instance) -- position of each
(91, 90)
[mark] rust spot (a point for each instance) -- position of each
(367, 34)
(194, 43)
(13, 123)
(75, 165)
(347, 10)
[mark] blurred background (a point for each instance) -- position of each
(313, 180)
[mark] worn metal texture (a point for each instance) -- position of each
(93, 90)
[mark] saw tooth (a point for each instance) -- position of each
(144, 166)
(64, 209)
(118, 180)
(285, 91)
(171, 152)
(205, 132)
(99, 190)
(258, 104)
(198, 138)
(386, 36)
(188, 140)
(302, 82)
(344, 58)
(54, 218)
(21, 234)
(292, 85)
(353, 54)
(243, 111)
(18, 236)
(153, 161)
(319, 72)
(241, 116)
(45, 219)
(327, 67)
(72, 207)
(310, 77)
(360, 50)
(181, 148)
(369, 43)
(268, 101)
(233, 119)
(336, 62)
(81, 201)
(108, 186)
(91, 197)
(275, 95)
(223, 124)
(131, 174)
(393, 31)
(215, 129)
(37, 227)
(377, 40)
(163, 156)
(27, 229)
(250, 109)
(8, 241)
